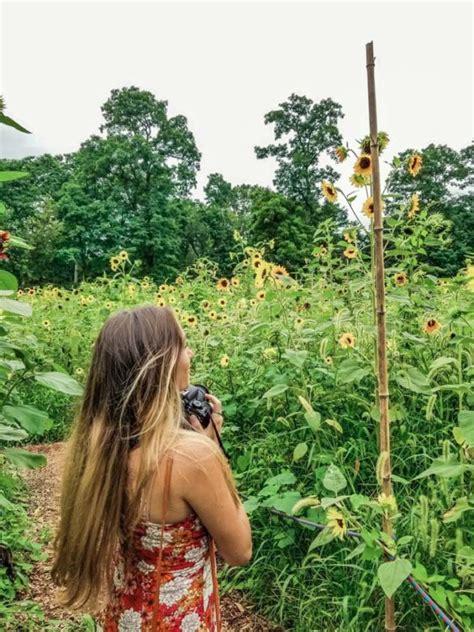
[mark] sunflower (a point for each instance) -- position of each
(172, 300)
(329, 191)
(20, 292)
(223, 284)
(192, 320)
(90, 299)
(205, 305)
(351, 253)
(350, 235)
(400, 279)
(235, 281)
(224, 361)
(114, 263)
(320, 251)
(341, 153)
(79, 371)
(299, 321)
(213, 314)
(179, 280)
(109, 305)
(359, 181)
(123, 254)
(145, 284)
(46, 324)
(261, 295)
(431, 326)
(222, 302)
(163, 287)
(363, 166)
(328, 360)
(414, 164)
(252, 301)
(257, 263)
(347, 340)
(369, 209)
(161, 302)
(414, 205)
(224, 317)
(278, 271)
(336, 522)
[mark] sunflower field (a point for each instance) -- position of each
(292, 358)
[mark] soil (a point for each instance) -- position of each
(237, 612)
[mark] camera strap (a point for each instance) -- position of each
(155, 624)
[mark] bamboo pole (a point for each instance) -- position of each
(382, 373)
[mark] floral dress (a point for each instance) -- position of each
(187, 600)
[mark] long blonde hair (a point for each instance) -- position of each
(131, 391)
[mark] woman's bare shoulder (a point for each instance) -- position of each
(192, 450)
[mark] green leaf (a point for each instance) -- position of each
(350, 371)
(413, 380)
(453, 514)
(312, 416)
(284, 478)
(60, 382)
(278, 389)
(300, 451)
(9, 433)
(6, 120)
(334, 479)
(329, 501)
(334, 424)
(466, 424)
(5, 503)
(392, 574)
(251, 504)
(8, 176)
(445, 469)
(323, 537)
(296, 357)
(16, 307)
(34, 420)
(357, 500)
(8, 281)
(24, 459)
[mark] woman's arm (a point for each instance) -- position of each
(203, 486)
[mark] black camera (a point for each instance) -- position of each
(195, 403)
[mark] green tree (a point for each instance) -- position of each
(307, 131)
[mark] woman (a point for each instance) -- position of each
(144, 496)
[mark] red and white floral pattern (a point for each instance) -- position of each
(187, 599)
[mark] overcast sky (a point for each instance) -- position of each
(224, 65)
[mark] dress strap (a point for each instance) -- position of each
(164, 507)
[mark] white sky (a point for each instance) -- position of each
(224, 65)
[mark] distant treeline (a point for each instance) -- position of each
(132, 188)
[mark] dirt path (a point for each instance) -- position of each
(43, 509)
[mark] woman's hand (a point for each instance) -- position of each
(216, 417)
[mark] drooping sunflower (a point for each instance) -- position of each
(414, 205)
(329, 191)
(257, 263)
(350, 235)
(351, 253)
(400, 279)
(431, 326)
(359, 181)
(341, 153)
(224, 361)
(347, 340)
(368, 207)
(336, 522)
(179, 280)
(415, 163)
(320, 251)
(363, 165)
(223, 284)
(205, 305)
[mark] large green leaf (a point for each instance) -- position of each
(24, 459)
(350, 371)
(296, 357)
(34, 420)
(9, 433)
(300, 451)
(453, 514)
(413, 380)
(392, 574)
(334, 479)
(8, 176)
(16, 307)
(8, 281)
(323, 537)
(60, 382)
(6, 120)
(278, 389)
(312, 416)
(445, 469)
